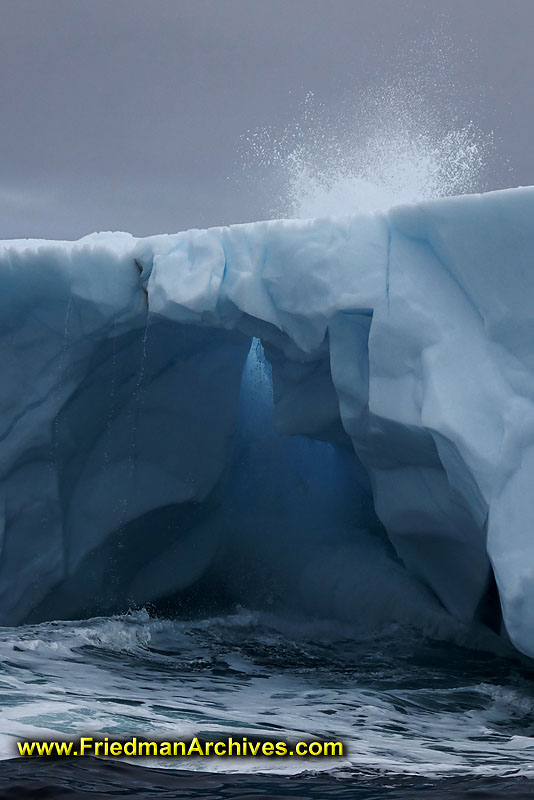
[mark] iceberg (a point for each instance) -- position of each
(138, 426)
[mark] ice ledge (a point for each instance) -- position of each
(425, 315)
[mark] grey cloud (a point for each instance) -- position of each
(127, 114)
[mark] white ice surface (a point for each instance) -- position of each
(412, 332)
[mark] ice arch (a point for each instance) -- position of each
(407, 336)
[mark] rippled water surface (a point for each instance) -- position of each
(402, 705)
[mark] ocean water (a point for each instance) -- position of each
(415, 714)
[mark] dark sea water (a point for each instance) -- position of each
(94, 778)
(420, 716)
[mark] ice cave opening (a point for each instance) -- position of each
(277, 511)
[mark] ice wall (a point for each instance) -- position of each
(407, 336)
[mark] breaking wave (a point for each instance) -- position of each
(388, 147)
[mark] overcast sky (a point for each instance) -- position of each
(128, 114)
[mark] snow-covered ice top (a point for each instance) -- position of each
(410, 333)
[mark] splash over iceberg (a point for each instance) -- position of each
(144, 460)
